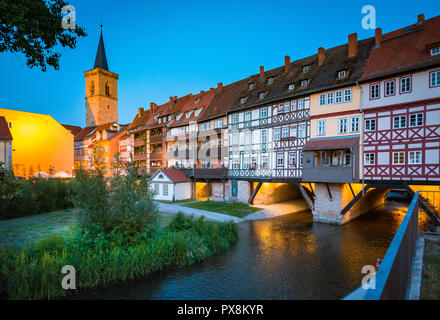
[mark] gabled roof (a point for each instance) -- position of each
(101, 59)
(174, 174)
(196, 102)
(223, 100)
(5, 133)
(404, 50)
(140, 120)
(73, 129)
(319, 77)
(90, 132)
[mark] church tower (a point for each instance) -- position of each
(101, 91)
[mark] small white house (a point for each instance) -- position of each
(170, 184)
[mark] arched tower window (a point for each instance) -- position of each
(107, 89)
(92, 88)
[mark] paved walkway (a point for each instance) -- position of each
(213, 216)
(278, 209)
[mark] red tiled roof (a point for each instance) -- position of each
(223, 99)
(404, 49)
(175, 175)
(204, 98)
(330, 144)
(73, 129)
(91, 131)
(5, 133)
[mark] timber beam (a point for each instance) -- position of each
(306, 196)
(356, 199)
(254, 192)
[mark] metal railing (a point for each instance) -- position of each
(394, 274)
(432, 201)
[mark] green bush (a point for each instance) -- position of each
(19, 197)
(101, 258)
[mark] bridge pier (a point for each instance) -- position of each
(332, 198)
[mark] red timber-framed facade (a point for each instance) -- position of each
(402, 123)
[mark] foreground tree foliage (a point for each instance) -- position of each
(121, 204)
(33, 27)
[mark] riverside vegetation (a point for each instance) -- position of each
(117, 238)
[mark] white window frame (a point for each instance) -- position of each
(342, 74)
(342, 124)
(418, 116)
(370, 159)
(348, 95)
(165, 189)
(403, 85)
(330, 98)
(390, 88)
(235, 118)
(280, 160)
(368, 125)
(401, 156)
(374, 91)
(339, 97)
(434, 79)
(322, 99)
(435, 51)
(263, 112)
(277, 134)
(354, 124)
(412, 157)
(247, 116)
(285, 132)
(263, 136)
(401, 124)
(321, 128)
(302, 131)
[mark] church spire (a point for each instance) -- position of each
(101, 59)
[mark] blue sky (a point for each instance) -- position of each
(172, 48)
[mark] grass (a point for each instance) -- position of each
(430, 288)
(27, 230)
(236, 209)
(33, 271)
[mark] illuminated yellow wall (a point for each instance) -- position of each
(39, 142)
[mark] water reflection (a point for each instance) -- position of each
(289, 257)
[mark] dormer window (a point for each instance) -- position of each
(251, 86)
(306, 69)
(262, 94)
(342, 74)
(269, 81)
(188, 114)
(291, 87)
(198, 112)
(304, 83)
(179, 116)
(197, 101)
(435, 51)
(242, 100)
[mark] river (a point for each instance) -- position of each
(289, 257)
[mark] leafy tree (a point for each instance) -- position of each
(34, 28)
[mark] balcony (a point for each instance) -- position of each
(156, 139)
(138, 143)
(156, 155)
(140, 157)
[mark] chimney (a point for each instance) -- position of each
(286, 63)
(140, 110)
(261, 72)
(420, 18)
(175, 98)
(219, 85)
(152, 107)
(321, 56)
(171, 100)
(352, 45)
(378, 38)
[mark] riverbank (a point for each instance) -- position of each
(34, 271)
